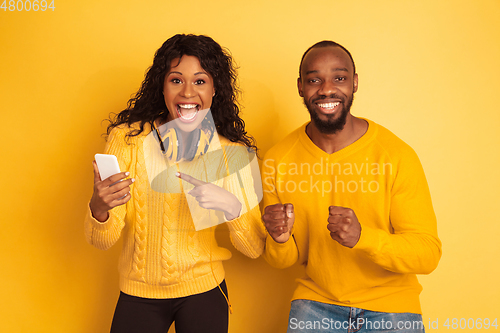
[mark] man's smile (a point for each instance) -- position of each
(328, 107)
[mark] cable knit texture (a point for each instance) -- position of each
(163, 256)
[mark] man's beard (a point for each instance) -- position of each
(331, 125)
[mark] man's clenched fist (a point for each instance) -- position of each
(278, 220)
(343, 226)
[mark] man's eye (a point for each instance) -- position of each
(313, 80)
(341, 79)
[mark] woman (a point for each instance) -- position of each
(170, 267)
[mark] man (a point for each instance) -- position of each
(347, 199)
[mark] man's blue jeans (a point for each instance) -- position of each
(314, 317)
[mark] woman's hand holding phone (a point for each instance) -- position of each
(108, 193)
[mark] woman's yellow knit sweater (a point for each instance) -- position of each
(163, 256)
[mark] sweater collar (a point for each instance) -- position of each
(352, 148)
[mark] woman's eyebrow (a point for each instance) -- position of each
(197, 73)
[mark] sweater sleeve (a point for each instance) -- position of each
(246, 231)
(279, 255)
(413, 246)
(105, 234)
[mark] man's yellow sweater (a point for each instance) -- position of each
(163, 256)
(381, 179)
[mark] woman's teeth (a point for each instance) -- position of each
(187, 111)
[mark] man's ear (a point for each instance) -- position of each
(299, 87)
(355, 83)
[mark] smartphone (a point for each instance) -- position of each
(107, 165)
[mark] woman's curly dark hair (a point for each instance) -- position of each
(148, 103)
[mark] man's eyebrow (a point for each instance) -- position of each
(339, 69)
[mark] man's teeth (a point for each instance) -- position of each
(328, 105)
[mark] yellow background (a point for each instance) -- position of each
(429, 70)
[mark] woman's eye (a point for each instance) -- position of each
(175, 81)
(200, 81)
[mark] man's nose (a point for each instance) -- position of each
(327, 88)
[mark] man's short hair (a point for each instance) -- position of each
(326, 43)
